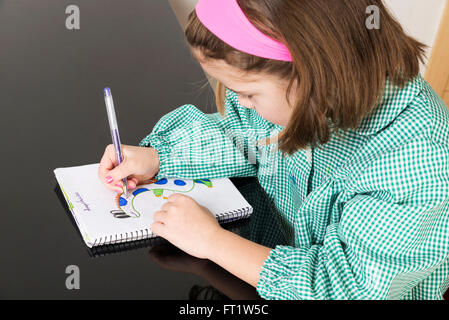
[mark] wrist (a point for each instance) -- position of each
(216, 238)
(155, 156)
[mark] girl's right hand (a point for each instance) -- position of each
(139, 164)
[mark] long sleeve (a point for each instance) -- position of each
(192, 144)
(392, 236)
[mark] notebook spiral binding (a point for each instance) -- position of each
(124, 237)
(234, 215)
(102, 250)
(146, 233)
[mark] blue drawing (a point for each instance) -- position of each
(130, 208)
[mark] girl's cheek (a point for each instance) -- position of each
(269, 114)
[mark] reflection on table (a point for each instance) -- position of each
(263, 227)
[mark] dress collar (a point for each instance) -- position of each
(395, 100)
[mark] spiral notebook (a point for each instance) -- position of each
(104, 217)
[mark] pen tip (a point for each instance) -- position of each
(107, 92)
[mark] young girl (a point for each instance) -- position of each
(347, 139)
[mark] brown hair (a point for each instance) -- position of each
(339, 64)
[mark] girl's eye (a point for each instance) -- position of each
(246, 96)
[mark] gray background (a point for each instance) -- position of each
(53, 115)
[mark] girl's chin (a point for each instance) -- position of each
(277, 122)
(272, 119)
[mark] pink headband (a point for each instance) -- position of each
(226, 20)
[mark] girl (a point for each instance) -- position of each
(347, 139)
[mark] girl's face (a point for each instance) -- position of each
(264, 93)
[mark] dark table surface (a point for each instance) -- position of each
(53, 115)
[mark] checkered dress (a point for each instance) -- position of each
(367, 214)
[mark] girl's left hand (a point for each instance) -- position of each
(186, 224)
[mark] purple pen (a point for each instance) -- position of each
(114, 131)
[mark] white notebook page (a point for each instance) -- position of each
(100, 214)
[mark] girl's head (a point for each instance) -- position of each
(338, 68)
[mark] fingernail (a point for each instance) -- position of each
(118, 185)
(109, 179)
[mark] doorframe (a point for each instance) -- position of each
(437, 73)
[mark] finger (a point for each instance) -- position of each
(118, 187)
(132, 183)
(176, 197)
(121, 171)
(115, 187)
(108, 162)
(158, 228)
(160, 216)
(167, 206)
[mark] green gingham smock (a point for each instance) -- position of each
(367, 213)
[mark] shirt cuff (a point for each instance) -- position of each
(281, 266)
(162, 146)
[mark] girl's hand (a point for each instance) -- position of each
(186, 224)
(139, 164)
